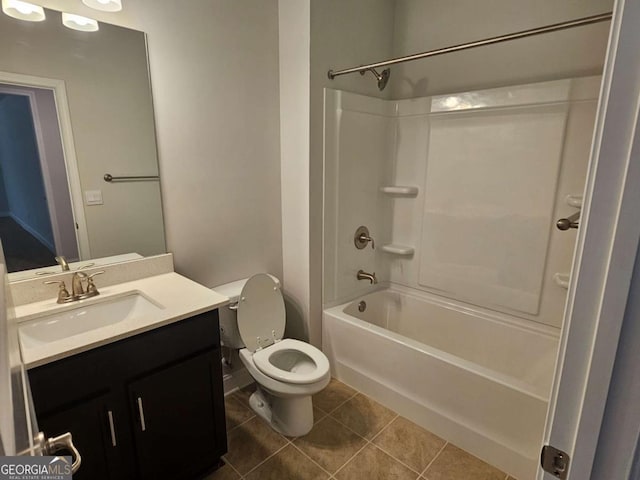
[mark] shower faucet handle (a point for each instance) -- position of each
(362, 238)
(365, 238)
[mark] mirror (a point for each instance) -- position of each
(75, 106)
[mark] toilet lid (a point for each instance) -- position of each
(261, 313)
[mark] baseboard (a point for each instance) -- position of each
(33, 232)
(236, 380)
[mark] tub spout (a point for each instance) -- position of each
(362, 275)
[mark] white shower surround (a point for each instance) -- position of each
(492, 170)
(464, 357)
(473, 377)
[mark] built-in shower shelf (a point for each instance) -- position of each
(574, 200)
(400, 190)
(398, 249)
(562, 280)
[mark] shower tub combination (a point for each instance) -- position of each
(476, 378)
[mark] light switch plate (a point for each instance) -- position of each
(93, 197)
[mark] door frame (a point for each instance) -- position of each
(604, 256)
(59, 91)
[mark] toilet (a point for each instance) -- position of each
(287, 371)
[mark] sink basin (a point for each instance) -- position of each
(76, 320)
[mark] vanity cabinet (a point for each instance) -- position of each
(146, 407)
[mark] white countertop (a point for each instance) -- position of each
(178, 296)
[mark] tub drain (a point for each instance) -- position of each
(362, 306)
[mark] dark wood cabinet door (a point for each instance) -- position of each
(179, 419)
(90, 423)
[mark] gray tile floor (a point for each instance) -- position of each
(353, 438)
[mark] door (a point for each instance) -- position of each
(604, 258)
(16, 419)
(179, 423)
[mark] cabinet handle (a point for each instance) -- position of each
(112, 428)
(143, 426)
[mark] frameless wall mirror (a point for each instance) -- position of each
(75, 106)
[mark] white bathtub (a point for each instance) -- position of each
(478, 379)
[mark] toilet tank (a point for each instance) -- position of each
(229, 333)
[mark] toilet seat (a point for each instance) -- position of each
(305, 364)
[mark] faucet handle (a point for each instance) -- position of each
(362, 238)
(89, 277)
(370, 239)
(63, 293)
(91, 287)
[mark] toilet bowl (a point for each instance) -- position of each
(287, 371)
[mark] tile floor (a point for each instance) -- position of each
(353, 438)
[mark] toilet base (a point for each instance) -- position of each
(290, 416)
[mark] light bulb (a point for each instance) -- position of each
(78, 22)
(104, 5)
(23, 10)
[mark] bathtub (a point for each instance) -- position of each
(476, 378)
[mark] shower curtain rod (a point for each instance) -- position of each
(479, 43)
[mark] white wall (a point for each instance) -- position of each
(422, 25)
(294, 43)
(359, 143)
(343, 33)
(57, 174)
(214, 73)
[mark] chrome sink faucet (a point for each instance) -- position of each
(63, 263)
(77, 288)
(362, 275)
(78, 291)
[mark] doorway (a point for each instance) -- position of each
(36, 216)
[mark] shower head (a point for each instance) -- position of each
(382, 78)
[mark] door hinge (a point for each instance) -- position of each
(554, 461)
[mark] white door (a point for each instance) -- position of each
(604, 258)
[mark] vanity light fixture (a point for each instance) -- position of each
(23, 10)
(104, 5)
(77, 22)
